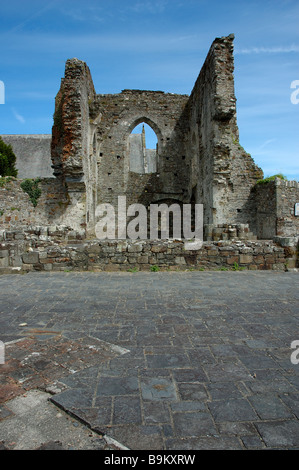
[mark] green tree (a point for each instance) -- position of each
(7, 160)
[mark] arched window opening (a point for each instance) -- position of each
(143, 149)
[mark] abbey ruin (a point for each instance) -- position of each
(198, 160)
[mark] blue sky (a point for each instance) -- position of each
(156, 45)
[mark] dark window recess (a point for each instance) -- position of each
(183, 157)
(118, 157)
(109, 189)
(109, 174)
(101, 154)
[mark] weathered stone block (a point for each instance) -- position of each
(134, 248)
(159, 249)
(4, 262)
(213, 253)
(16, 261)
(30, 258)
(246, 259)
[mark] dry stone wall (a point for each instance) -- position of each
(59, 248)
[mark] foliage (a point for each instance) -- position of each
(271, 178)
(236, 267)
(30, 186)
(133, 270)
(154, 268)
(4, 180)
(7, 160)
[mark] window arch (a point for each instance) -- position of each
(143, 146)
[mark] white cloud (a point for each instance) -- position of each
(153, 7)
(268, 50)
(18, 116)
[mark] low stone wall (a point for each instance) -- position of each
(63, 249)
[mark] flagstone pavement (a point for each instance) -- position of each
(159, 360)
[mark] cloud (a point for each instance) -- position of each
(265, 144)
(35, 15)
(18, 116)
(268, 50)
(84, 13)
(153, 7)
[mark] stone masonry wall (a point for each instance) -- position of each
(120, 113)
(58, 248)
(275, 208)
(222, 172)
(199, 156)
(18, 212)
(287, 197)
(33, 154)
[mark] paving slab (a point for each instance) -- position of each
(154, 361)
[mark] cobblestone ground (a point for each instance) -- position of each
(184, 360)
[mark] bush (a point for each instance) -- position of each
(7, 160)
(31, 188)
(271, 178)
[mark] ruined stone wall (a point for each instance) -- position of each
(18, 211)
(120, 114)
(199, 158)
(223, 173)
(287, 197)
(70, 148)
(275, 207)
(33, 154)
